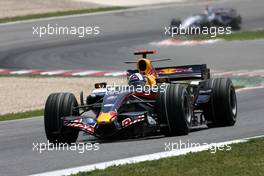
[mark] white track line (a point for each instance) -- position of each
(86, 73)
(21, 72)
(115, 74)
(128, 3)
(50, 73)
(137, 159)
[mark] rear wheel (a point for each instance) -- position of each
(57, 106)
(221, 110)
(175, 22)
(174, 110)
(235, 24)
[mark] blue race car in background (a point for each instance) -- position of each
(213, 16)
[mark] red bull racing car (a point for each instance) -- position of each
(167, 100)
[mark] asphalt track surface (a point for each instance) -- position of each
(17, 137)
(123, 32)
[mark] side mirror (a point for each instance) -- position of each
(100, 85)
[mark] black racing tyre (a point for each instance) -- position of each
(175, 22)
(174, 110)
(235, 25)
(221, 110)
(57, 106)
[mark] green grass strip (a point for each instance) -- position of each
(239, 86)
(244, 159)
(247, 35)
(59, 13)
(21, 115)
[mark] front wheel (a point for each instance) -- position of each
(60, 105)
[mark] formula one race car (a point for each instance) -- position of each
(163, 100)
(218, 17)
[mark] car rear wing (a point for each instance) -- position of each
(177, 73)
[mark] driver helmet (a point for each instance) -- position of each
(137, 79)
(208, 10)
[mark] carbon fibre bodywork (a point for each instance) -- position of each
(126, 112)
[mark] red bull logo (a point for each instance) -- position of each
(172, 70)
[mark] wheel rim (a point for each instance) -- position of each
(233, 102)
